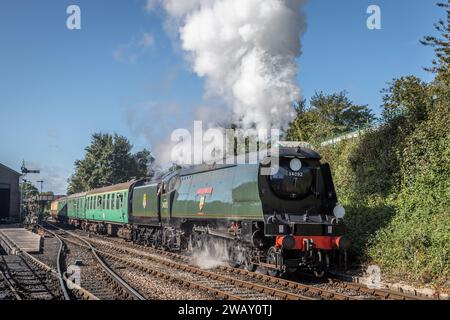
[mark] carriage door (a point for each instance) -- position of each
(123, 206)
(83, 208)
(164, 201)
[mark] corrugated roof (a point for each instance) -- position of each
(76, 195)
(9, 169)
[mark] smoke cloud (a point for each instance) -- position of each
(246, 51)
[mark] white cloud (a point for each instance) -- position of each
(136, 48)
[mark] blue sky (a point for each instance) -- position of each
(57, 86)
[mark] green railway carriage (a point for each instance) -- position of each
(109, 204)
(61, 209)
(75, 206)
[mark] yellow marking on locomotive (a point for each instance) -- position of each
(144, 201)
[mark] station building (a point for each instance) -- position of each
(9, 193)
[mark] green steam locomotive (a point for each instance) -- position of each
(283, 222)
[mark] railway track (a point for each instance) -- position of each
(26, 279)
(221, 286)
(7, 291)
(227, 282)
(155, 287)
(330, 288)
(33, 277)
(269, 287)
(88, 276)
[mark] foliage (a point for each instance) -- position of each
(395, 184)
(109, 161)
(395, 179)
(408, 97)
(327, 115)
(416, 243)
(441, 46)
(29, 190)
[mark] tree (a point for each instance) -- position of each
(328, 115)
(407, 97)
(28, 190)
(441, 46)
(109, 161)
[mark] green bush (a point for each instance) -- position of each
(395, 184)
(416, 243)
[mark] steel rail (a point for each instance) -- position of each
(58, 266)
(8, 282)
(116, 278)
(214, 276)
(254, 275)
(33, 261)
(381, 293)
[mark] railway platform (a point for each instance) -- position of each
(15, 240)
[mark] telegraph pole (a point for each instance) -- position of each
(40, 201)
(42, 184)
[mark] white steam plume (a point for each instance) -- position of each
(246, 50)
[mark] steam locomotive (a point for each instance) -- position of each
(282, 222)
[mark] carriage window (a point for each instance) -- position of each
(99, 202)
(113, 201)
(120, 200)
(107, 202)
(103, 201)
